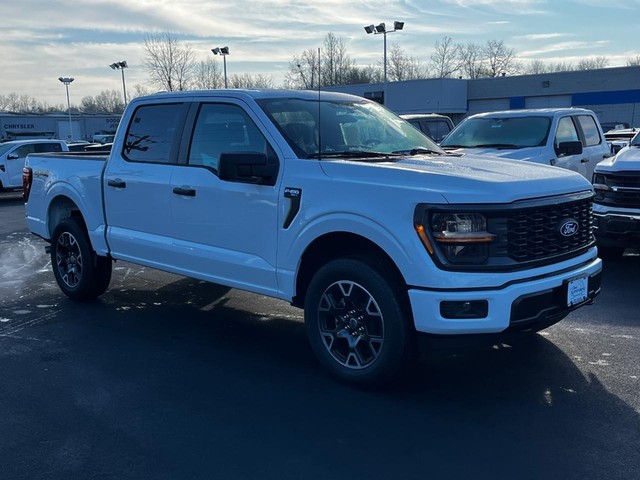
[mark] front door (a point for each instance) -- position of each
(225, 231)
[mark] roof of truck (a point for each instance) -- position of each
(528, 112)
(257, 94)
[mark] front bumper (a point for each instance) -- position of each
(616, 228)
(530, 303)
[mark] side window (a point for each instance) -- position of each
(220, 128)
(48, 147)
(24, 150)
(566, 131)
(416, 124)
(153, 132)
(590, 130)
(439, 129)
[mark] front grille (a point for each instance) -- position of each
(624, 190)
(535, 233)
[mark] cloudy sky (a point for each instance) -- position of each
(44, 39)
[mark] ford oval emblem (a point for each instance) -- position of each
(569, 228)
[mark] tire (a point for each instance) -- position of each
(357, 322)
(610, 253)
(81, 274)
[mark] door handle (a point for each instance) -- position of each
(189, 192)
(117, 183)
(584, 160)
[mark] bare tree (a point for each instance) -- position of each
(634, 61)
(500, 60)
(208, 75)
(471, 60)
(170, 63)
(249, 81)
(332, 66)
(402, 67)
(138, 91)
(303, 71)
(592, 63)
(446, 59)
(108, 101)
(335, 61)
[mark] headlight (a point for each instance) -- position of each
(462, 237)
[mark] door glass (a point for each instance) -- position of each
(223, 128)
(590, 130)
(152, 133)
(566, 131)
(48, 147)
(25, 150)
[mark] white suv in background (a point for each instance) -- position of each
(571, 138)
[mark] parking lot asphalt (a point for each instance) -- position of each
(165, 377)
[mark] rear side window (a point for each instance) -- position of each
(153, 133)
(590, 130)
(438, 129)
(48, 147)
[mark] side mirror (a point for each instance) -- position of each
(12, 156)
(247, 167)
(569, 148)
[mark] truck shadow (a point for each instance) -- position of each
(521, 410)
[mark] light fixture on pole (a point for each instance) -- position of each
(224, 51)
(121, 66)
(382, 29)
(67, 81)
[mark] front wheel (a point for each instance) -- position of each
(81, 274)
(357, 322)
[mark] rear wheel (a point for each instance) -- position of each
(81, 274)
(358, 322)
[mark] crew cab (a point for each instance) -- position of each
(616, 206)
(13, 155)
(330, 202)
(570, 138)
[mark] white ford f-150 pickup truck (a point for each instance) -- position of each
(330, 202)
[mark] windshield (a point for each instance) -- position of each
(503, 132)
(636, 141)
(4, 148)
(349, 128)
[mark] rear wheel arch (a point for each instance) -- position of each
(61, 208)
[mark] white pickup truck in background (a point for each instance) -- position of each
(329, 202)
(14, 153)
(617, 203)
(570, 138)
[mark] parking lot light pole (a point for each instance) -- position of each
(67, 81)
(382, 29)
(224, 51)
(121, 66)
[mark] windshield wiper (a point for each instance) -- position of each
(417, 151)
(352, 154)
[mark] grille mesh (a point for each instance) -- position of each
(534, 233)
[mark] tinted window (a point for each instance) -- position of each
(438, 129)
(223, 128)
(48, 147)
(152, 133)
(25, 150)
(590, 130)
(566, 131)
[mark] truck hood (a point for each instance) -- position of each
(626, 159)
(527, 153)
(461, 179)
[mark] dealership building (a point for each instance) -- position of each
(612, 93)
(79, 127)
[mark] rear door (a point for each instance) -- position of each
(595, 148)
(137, 185)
